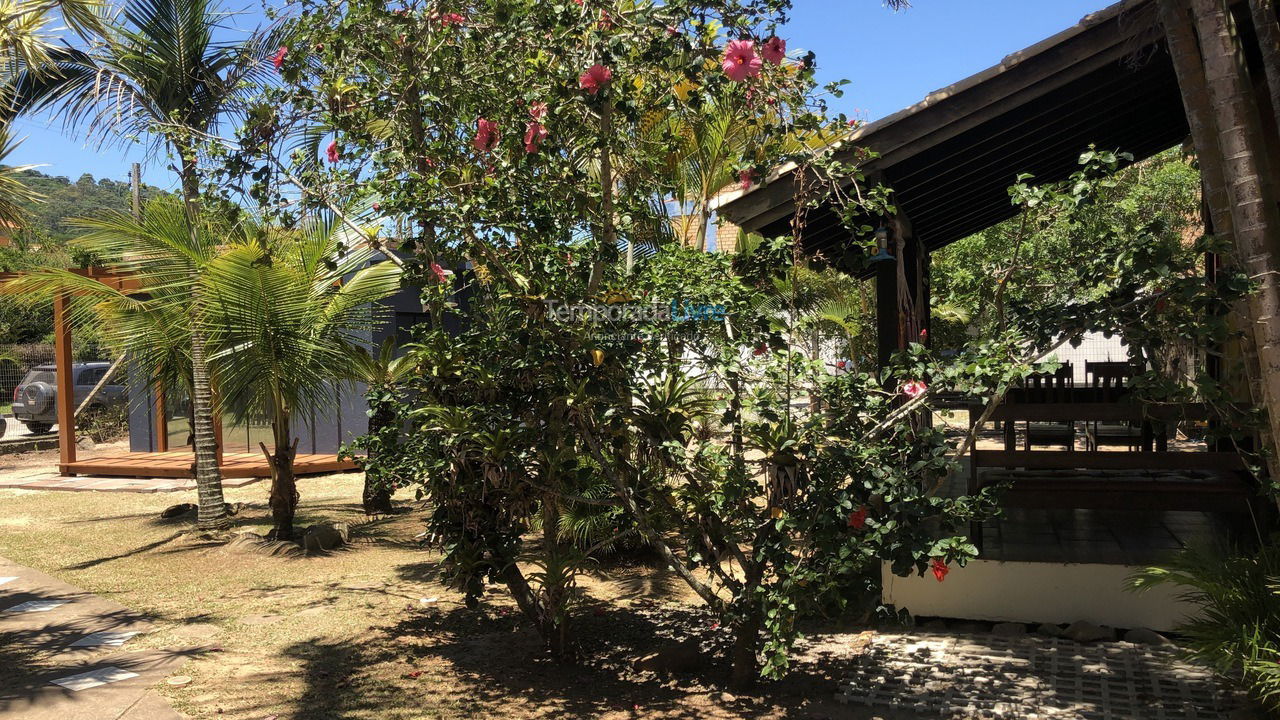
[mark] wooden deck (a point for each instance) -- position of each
(180, 464)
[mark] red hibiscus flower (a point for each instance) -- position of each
(939, 569)
(595, 78)
(840, 364)
(740, 61)
(534, 134)
(746, 178)
(774, 50)
(858, 518)
(486, 135)
(914, 388)
(331, 152)
(278, 59)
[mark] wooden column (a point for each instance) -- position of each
(66, 401)
(897, 325)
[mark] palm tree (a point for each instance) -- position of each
(157, 73)
(285, 309)
(382, 372)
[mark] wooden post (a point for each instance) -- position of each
(65, 403)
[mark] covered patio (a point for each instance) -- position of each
(1114, 503)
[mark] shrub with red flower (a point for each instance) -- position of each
(534, 134)
(332, 152)
(774, 50)
(277, 60)
(939, 569)
(486, 138)
(914, 388)
(746, 178)
(740, 61)
(594, 78)
(440, 273)
(858, 518)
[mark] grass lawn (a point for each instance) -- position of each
(347, 635)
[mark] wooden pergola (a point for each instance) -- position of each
(163, 462)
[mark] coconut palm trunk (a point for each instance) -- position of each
(1254, 217)
(284, 484)
(212, 514)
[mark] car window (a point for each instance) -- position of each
(91, 376)
(44, 376)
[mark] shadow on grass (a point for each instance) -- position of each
(489, 663)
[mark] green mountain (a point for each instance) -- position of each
(64, 199)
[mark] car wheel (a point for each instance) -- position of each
(38, 428)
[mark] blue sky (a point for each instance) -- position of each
(893, 59)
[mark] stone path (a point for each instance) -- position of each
(1032, 678)
(67, 657)
(32, 479)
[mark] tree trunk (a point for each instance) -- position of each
(212, 513)
(377, 493)
(744, 656)
(284, 486)
(1268, 31)
(1255, 220)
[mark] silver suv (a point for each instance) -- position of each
(33, 399)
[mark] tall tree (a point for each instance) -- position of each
(158, 72)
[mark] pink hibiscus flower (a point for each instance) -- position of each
(331, 152)
(914, 388)
(740, 61)
(277, 60)
(441, 274)
(940, 569)
(774, 50)
(746, 178)
(595, 78)
(486, 135)
(534, 134)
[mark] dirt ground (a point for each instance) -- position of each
(367, 632)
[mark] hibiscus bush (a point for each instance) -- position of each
(516, 155)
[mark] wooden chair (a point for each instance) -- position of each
(1110, 382)
(1050, 387)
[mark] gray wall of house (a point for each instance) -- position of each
(323, 431)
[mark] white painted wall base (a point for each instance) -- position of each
(1036, 592)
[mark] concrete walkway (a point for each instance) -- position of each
(32, 479)
(66, 655)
